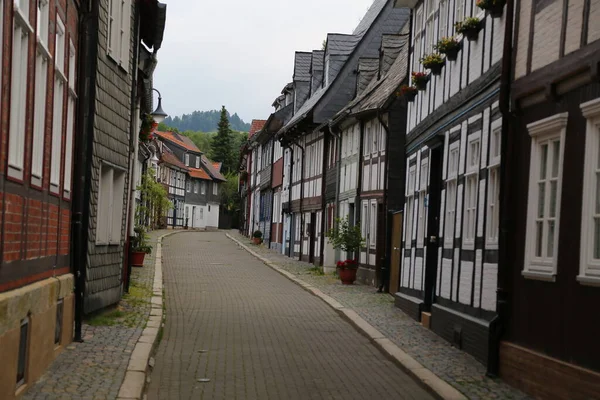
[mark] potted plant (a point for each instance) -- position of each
(409, 92)
(448, 46)
(494, 7)
(348, 239)
(420, 79)
(140, 247)
(257, 237)
(470, 27)
(148, 126)
(433, 62)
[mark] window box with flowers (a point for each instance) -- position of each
(433, 62)
(494, 7)
(420, 79)
(148, 126)
(470, 27)
(448, 46)
(408, 92)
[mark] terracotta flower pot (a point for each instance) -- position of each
(137, 258)
(257, 241)
(347, 275)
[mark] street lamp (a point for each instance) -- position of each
(159, 115)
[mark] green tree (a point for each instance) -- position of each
(230, 197)
(222, 144)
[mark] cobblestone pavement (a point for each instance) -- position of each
(95, 368)
(454, 366)
(256, 335)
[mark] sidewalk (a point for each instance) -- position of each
(95, 368)
(450, 364)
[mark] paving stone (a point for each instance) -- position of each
(267, 338)
(95, 369)
(454, 366)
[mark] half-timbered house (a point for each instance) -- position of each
(450, 247)
(550, 280)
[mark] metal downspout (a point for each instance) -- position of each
(386, 260)
(499, 323)
(84, 150)
(301, 197)
(338, 172)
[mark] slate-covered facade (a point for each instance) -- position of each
(550, 279)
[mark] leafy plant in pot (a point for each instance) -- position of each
(140, 246)
(433, 62)
(448, 46)
(494, 7)
(257, 237)
(408, 92)
(420, 79)
(347, 239)
(470, 27)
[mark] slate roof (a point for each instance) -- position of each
(179, 140)
(369, 17)
(257, 125)
(169, 158)
(302, 65)
(217, 165)
(317, 60)
(378, 92)
(368, 68)
(208, 165)
(341, 44)
(199, 173)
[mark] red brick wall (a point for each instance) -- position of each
(34, 223)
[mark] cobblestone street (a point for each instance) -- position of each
(452, 365)
(236, 329)
(95, 368)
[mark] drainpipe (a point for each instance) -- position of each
(499, 323)
(272, 194)
(386, 260)
(323, 195)
(336, 132)
(132, 149)
(292, 234)
(301, 196)
(88, 38)
(358, 202)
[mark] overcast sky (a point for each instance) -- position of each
(240, 53)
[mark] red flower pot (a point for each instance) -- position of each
(347, 275)
(137, 258)
(257, 241)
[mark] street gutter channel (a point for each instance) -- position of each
(425, 377)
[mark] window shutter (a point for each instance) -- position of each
(126, 34)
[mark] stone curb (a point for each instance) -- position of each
(135, 377)
(437, 386)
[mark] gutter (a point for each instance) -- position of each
(508, 143)
(84, 151)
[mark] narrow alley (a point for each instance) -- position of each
(237, 329)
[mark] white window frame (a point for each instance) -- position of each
(589, 273)
(119, 32)
(471, 194)
(443, 30)
(459, 12)
(71, 104)
(215, 189)
(197, 162)
(417, 38)
(196, 186)
(372, 225)
(111, 189)
(364, 219)
(422, 217)
(202, 187)
(22, 31)
(367, 142)
(544, 131)
(60, 84)
(187, 160)
(188, 186)
(410, 205)
(42, 61)
(451, 194)
(493, 201)
(375, 139)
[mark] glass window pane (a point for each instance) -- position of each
(543, 162)
(541, 199)
(539, 236)
(553, 194)
(555, 158)
(550, 239)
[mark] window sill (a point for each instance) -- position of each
(589, 280)
(539, 276)
(107, 244)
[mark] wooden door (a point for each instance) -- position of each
(396, 253)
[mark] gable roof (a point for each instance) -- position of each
(257, 125)
(179, 140)
(217, 165)
(208, 166)
(302, 66)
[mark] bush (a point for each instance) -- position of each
(257, 235)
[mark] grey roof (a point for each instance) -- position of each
(391, 46)
(287, 87)
(278, 100)
(368, 69)
(378, 92)
(302, 65)
(340, 44)
(369, 17)
(317, 60)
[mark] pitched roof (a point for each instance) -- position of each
(257, 125)
(179, 140)
(208, 165)
(317, 60)
(369, 17)
(170, 158)
(217, 165)
(199, 173)
(302, 66)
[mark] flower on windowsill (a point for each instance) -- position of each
(418, 77)
(447, 44)
(147, 128)
(406, 90)
(490, 4)
(432, 60)
(469, 24)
